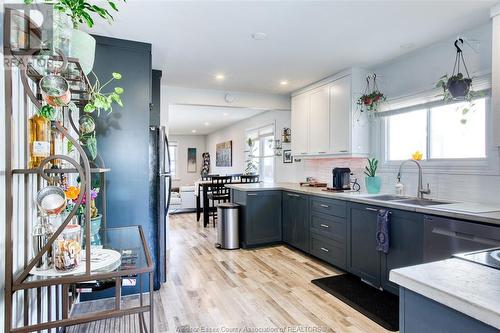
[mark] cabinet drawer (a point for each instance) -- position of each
(329, 206)
(329, 226)
(328, 250)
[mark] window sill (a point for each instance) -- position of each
(487, 167)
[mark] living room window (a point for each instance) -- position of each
(173, 150)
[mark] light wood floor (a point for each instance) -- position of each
(220, 290)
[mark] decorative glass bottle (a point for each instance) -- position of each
(41, 234)
(39, 140)
(56, 139)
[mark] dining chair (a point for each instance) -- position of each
(236, 177)
(218, 193)
(205, 177)
(250, 178)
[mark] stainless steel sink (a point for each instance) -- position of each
(407, 200)
(422, 202)
(388, 197)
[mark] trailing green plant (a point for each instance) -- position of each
(101, 101)
(371, 102)
(89, 140)
(81, 11)
(371, 168)
(372, 97)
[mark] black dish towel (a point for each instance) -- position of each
(383, 219)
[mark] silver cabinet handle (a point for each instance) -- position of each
(293, 195)
(303, 153)
(324, 206)
(343, 151)
(324, 225)
(321, 152)
(323, 249)
(372, 209)
(252, 194)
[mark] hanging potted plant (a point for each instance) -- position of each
(457, 86)
(372, 97)
(82, 45)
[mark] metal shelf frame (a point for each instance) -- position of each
(57, 290)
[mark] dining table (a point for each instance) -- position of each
(201, 189)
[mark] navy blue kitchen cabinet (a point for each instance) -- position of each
(296, 220)
(363, 258)
(329, 231)
(406, 233)
(405, 244)
(260, 217)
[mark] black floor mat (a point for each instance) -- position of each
(380, 306)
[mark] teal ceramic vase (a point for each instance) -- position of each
(373, 184)
(95, 227)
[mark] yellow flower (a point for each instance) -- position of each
(417, 156)
(72, 192)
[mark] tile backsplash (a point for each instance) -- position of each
(454, 187)
(321, 169)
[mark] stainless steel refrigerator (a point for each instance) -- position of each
(160, 185)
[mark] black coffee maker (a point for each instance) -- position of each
(341, 179)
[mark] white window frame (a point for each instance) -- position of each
(261, 146)
(490, 165)
(175, 175)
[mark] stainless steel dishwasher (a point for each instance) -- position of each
(444, 237)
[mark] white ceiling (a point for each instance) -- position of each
(306, 40)
(183, 119)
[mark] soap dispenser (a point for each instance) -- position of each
(400, 188)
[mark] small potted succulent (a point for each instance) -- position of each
(372, 181)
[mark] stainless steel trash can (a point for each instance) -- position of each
(227, 226)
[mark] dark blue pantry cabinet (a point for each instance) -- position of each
(342, 233)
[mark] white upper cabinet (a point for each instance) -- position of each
(319, 124)
(300, 121)
(340, 109)
(325, 120)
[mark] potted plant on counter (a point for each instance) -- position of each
(81, 44)
(372, 181)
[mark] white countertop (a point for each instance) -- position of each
(469, 288)
(440, 210)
